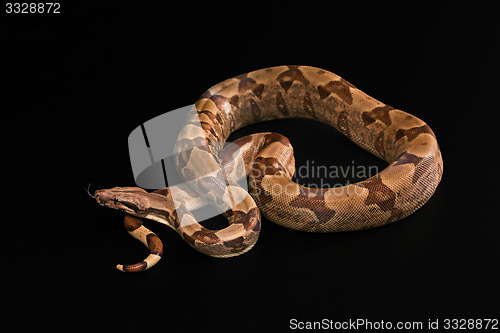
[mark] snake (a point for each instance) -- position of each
(405, 142)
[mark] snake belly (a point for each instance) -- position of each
(404, 141)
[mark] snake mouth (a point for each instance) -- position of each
(124, 208)
(112, 199)
(107, 199)
(102, 197)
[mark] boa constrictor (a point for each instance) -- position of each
(402, 140)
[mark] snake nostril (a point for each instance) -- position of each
(101, 196)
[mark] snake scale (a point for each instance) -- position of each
(405, 142)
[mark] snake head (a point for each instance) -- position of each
(131, 200)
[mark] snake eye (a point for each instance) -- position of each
(115, 200)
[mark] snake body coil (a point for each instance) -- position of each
(402, 140)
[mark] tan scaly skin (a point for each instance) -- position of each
(404, 141)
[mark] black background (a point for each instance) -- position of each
(77, 83)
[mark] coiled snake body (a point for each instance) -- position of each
(404, 141)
